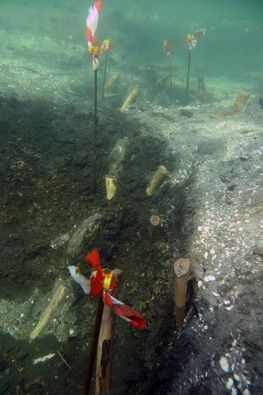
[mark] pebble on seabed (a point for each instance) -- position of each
(246, 392)
(230, 383)
(224, 364)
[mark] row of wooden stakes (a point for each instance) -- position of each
(154, 183)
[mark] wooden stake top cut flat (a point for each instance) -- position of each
(182, 267)
(155, 220)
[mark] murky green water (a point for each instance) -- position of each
(210, 204)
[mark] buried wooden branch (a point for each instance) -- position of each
(57, 297)
(156, 180)
(95, 124)
(110, 83)
(188, 76)
(182, 269)
(130, 99)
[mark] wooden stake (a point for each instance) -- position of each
(109, 84)
(188, 76)
(103, 369)
(95, 122)
(104, 349)
(182, 269)
(93, 348)
(156, 180)
(104, 73)
(129, 99)
(170, 72)
(54, 302)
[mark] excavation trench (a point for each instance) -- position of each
(50, 219)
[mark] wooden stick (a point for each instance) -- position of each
(95, 121)
(182, 269)
(104, 73)
(156, 180)
(170, 72)
(54, 302)
(93, 349)
(188, 75)
(130, 99)
(103, 369)
(109, 84)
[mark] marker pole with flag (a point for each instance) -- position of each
(94, 51)
(191, 41)
(102, 284)
(189, 61)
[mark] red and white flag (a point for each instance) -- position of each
(102, 283)
(91, 27)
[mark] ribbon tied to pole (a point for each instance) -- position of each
(102, 282)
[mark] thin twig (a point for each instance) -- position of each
(63, 359)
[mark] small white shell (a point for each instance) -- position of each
(224, 364)
(229, 383)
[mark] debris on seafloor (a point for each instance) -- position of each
(154, 223)
(186, 113)
(224, 364)
(80, 279)
(151, 83)
(89, 225)
(238, 105)
(44, 358)
(201, 88)
(130, 99)
(116, 157)
(209, 278)
(182, 269)
(57, 297)
(110, 83)
(260, 102)
(110, 187)
(156, 180)
(259, 249)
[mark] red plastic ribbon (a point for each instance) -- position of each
(134, 318)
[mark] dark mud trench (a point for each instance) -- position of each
(50, 219)
(46, 185)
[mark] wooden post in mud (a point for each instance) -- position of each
(103, 368)
(104, 74)
(93, 348)
(57, 297)
(182, 269)
(170, 72)
(156, 180)
(129, 99)
(104, 349)
(95, 124)
(188, 75)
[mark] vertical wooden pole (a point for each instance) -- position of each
(93, 348)
(170, 72)
(95, 124)
(188, 75)
(182, 269)
(104, 351)
(104, 74)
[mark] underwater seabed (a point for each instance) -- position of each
(210, 210)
